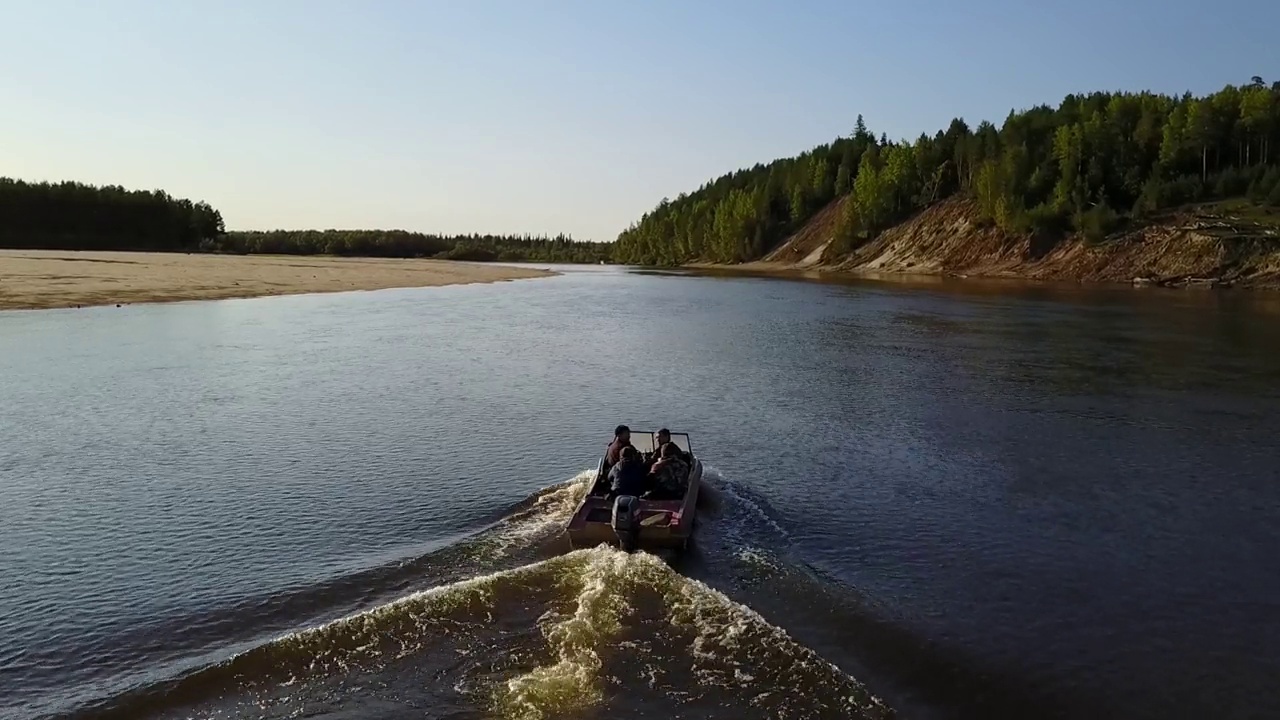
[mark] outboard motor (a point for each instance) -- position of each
(626, 521)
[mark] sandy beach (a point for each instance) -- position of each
(53, 279)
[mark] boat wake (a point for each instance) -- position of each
(587, 633)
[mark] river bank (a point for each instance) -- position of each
(34, 279)
(1211, 245)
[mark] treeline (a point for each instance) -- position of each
(1087, 165)
(75, 216)
(403, 244)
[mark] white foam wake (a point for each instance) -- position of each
(594, 597)
(733, 647)
(546, 516)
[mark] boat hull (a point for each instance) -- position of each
(663, 524)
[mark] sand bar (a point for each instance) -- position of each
(52, 279)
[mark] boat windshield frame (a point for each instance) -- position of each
(643, 440)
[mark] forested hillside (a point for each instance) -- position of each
(1089, 165)
(75, 216)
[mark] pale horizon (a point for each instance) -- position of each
(502, 118)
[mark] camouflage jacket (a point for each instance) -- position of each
(670, 476)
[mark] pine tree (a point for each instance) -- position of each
(846, 232)
(844, 182)
(860, 133)
(799, 204)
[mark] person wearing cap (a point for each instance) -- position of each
(621, 439)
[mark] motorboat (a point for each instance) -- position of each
(637, 523)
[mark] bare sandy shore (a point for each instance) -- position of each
(51, 279)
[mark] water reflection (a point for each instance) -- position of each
(1084, 340)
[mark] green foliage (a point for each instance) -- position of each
(844, 179)
(1042, 219)
(900, 177)
(823, 180)
(987, 190)
(467, 251)
(1000, 191)
(1160, 194)
(400, 243)
(799, 204)
(1262, 186)
(1079, 161)
(872, 194)
(1097, 222)
(74, 216)
(716, 224)
(1231, 182)
(847, 226)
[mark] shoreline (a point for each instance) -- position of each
(1215, 245)
(835, 273)
(48, 279)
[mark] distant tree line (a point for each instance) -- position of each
(1087, 165)
(403, 244)
(75, 216)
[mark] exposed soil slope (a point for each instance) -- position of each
(1214, 244)
(806, 247)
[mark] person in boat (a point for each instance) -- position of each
(669, 475)
(662, 439)
(621, 440)
(628, 476)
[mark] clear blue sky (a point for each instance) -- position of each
(574, 116)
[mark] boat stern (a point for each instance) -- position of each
(629, 523)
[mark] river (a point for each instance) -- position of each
(925, 500)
